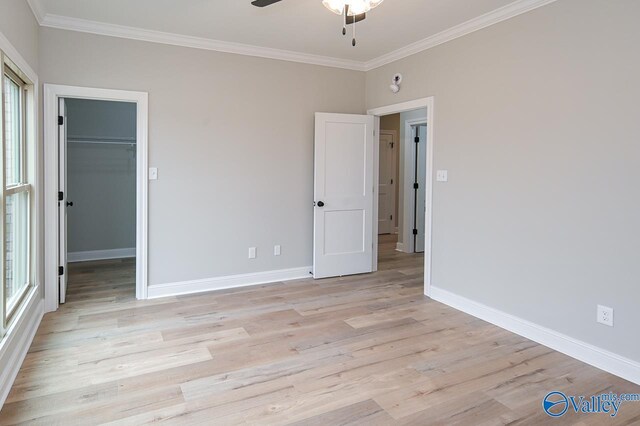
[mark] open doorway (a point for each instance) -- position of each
(402, 181)
(403, 194)
(133, 150)
(351, 199)
(98, 210)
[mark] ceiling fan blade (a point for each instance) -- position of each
(356, 18)
(263, 3)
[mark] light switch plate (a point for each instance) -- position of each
(153, 173)
(276, 250)
(252, 252)
(442, 175)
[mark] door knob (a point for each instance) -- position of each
(69, 203)
(320, 204)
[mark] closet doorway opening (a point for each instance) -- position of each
(96, 186)
(98, 199)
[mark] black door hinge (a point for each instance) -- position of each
(416, 185)
(417, 139)
(60, 196)
(415, 232)
(391, 217)
(60, 120)
(60, 270)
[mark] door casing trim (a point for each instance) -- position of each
(52, 92)
(427, 103)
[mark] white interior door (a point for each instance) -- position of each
(343, 191)
(421, 206)
(386, 184)
(62, 201)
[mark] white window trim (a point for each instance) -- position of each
(28, 114)
(21, 330)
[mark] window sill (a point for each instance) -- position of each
(29, 308)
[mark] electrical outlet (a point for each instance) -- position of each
(252, 252)
(276, 250)
(605, 315)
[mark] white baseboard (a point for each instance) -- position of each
(229, 281)
(585, 352)
(400, 247)
(16, 343)
(84, 256)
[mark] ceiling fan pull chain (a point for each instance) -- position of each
(353, 42)
(344, 21)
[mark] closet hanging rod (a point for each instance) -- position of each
(100, 142)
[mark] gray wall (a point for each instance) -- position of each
(18, 24)
(101, 119)
(232, 137)
(537, 120)
(101, 177)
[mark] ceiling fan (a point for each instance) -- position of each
(352, 11)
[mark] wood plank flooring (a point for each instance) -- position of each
(367, 349)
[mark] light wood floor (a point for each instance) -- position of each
(368, 349)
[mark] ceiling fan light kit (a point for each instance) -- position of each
(352, 11)
(355, 7)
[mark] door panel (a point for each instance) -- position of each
(62, 209)
(386, 184)
(343, 191)
(349, 225)
(345, 148)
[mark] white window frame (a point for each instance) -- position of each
(27, 81)
(22, 187)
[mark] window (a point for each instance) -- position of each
(16, 193)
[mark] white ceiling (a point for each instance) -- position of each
(303, 26)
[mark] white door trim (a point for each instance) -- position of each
(62, 209)
(393, 109)
(52, 92)
(402, 107)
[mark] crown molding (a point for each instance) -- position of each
(483, 21)
(37, 10)
(511, 10)
(113, 30)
